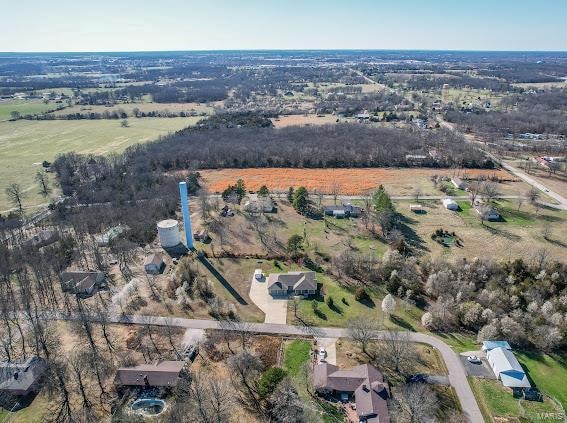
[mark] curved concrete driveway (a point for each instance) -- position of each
(457, 373)
(274, 309)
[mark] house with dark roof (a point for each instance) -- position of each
(159, 374)
(344, 210)
(21, 378)
(363, 384)
(81, 283)
(153, 264)
(292, 283)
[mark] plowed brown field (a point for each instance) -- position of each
(352, 181)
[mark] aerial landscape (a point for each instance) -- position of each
(260, 226)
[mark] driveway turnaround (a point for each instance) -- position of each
(274, 309)
(457, 375)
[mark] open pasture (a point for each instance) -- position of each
(24, 145)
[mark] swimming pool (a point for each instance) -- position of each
(148, 406)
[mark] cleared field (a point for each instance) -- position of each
(128, 108)
(520, 234)
(304, 120)
(24, 107)
(350, 181)
(25, 144)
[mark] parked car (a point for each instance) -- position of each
(322, 354)
(190, 352)
(474, 359)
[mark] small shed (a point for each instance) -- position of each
(154, 264)
(450, 204)
(416, 208)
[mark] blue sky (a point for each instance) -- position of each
(124, 25)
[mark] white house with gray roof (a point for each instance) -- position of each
(292, 283)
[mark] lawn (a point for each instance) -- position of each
(548, 373)
(24, 107)
(34, 413)
(296, 353)
(317, 411)
(25, 144)
(495, 402)
(346, 307)
(459, 342)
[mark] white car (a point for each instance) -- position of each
(322, 354)
(474, 359)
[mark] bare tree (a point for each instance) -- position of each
(41, 179)
(415, 403)
(245, 370)
(520, 202)
(286, 406)
(363, 330)
(533, 195)
(335, 190)
(210, 399)
(417, 193)
(16, 194)
(396, 352)
(490, 190)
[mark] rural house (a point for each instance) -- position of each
(20, 379)
(80, 283)
(153, 264)
(292, 283)
(507, 368)
(344, 210)
(487, 212)
(458, 183)
(159, 374)
(364, 384)
(257, 204)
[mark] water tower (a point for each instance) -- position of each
(186, 214)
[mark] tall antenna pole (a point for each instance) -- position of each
(186, 215)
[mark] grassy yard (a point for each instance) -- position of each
(495, 401)
(346, 307)
(317, 411)
(547, 372)
(296, 353)
(25, 144)
(34, 413)
(459, 342)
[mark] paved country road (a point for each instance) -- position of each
(457, 374)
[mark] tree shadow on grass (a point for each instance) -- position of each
(368, 302)
(411, 236)
(402, 322)
(502, 233)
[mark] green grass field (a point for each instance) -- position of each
(495, 401)
(548, 373)
(24, 107)
(296, 353)
(25, 144)
(342, 312)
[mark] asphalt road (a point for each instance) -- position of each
(457, 374)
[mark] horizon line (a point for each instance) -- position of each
(283, 50)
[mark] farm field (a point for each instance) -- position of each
(25, 144)
(520, 234)
(24, 107)
(145, 107)
(304, 120)
(351, 181)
